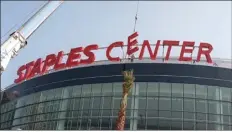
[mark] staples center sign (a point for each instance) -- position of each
(54, 61)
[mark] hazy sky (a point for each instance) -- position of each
(82, 23)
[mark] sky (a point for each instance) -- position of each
(79, 23)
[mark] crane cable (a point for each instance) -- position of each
(136, 18)
(25, 19)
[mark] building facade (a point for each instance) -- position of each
(165, 96)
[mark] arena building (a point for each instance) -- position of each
(167, 95)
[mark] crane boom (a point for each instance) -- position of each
(18, 39)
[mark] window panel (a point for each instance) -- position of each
(177, 90)
(164, 103)
(117, 103)
(226, 94)
(226, 108)
(142, 103)
(153, 89)
(201, 91)
(107, 89)
(86, 90)
(201, 116)
(152, 103)
(201, 126)
(165, 89)
(189, 90)
(108, 103)
(77, 91)
(188, 115)
(213, 127)
(213, 92)
(176, 125)
(177, 104)
(96, 89)
(165, 114)
(214, 107)
(225, 119)
(117, 88)
(177, 115)
(214, 118)
(142, 88)
(97, 103)
(164, 124)
(189, 105)
(201, 106)
(150, 113)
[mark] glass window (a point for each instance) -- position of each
(177, 115)
(150, 113)
(214, 107)
(177, 104)
(201, 106)
(213, 127)
(189, 105)
(201, 116)
(107, 89)
(225, 119)
(214, 118)
(142, 88)
(153, 89)
(117, 103)
(152, 124)
(164, 124)
(86, 103)
(152, 103)
(86, 90)
(188, 115)
(97, 103)
(213, 92)
(96, 89)
(142, 103)
(226, 108)
(226, 94)
(201, 91)
(164, 103)
(189, 90)
(165, 114)
(201, 126)
(108, 103)
(165, 89)
(177, 90)
(77, 91)
(176, 125)
(117, 88)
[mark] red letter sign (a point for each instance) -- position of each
(59, 65)
(170, 44)
(49, 61)
(132, 41)
(87, 52)
(37, 68)
(205, 52)
(20, 74)
(115, 44)
(152, 56)
(184, 50)
(74, 54)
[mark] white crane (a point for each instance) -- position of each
(18, 39)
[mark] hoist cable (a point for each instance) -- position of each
(136, 15)
(136, 18)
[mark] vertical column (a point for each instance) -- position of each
(218, 108)
(63, 107)
(134, 107)
(17, 113)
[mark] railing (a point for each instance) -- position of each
(217, 62)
